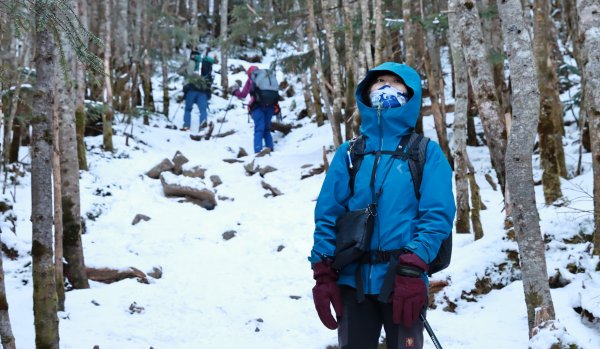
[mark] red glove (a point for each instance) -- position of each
(327, 292)
(410, 293)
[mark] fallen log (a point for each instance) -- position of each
(108, 276)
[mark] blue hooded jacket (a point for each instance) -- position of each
(402, 221)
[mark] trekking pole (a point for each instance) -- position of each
(434, 339)
(224, 116)
(175, 114)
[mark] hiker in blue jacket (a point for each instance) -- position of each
(407, 231)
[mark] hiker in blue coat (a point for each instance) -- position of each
(407, 231)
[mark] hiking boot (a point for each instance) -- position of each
(184, 128)
(203, 125)
(263, 152)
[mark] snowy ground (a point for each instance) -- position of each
(254, 290)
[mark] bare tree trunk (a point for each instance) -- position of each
(408, 35)
(366, 32)
(460, 129)
(519, 172)
(571, 19)
(193, 20)
(165, 76)
(481, 78)
(334, 66)
(56, 190)
(69, 173)
(224, 78)
(396, 49)
(433, 68)
(320, 78)
(16, 101)
(10, 67)
(379, 36)
(140, 10)
(414, 45)
(589, 45)
(550, 137)
(146, 68)
(350, 69)
(44, 277)
(80, 99)
(300, 34)
(216, 20)
(492, 35)
(316, 94)
(107, 116)
(120, 55)
(8, 339)
(476, 203)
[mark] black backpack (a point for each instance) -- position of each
(415, 154)
(206, 68)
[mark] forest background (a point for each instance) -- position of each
(515, 79)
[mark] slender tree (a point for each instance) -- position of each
(459, 144)
(121, 54)
(193, 23)
(6, 335)
(44, 278)
(224, 80)
(549, 129)
(589, 46)
(136, 56)
(80, 94)
(57, 191)
(16, 104)
(146, 70)
(480, 75)
(435, 81)
(519, 172)
(414, 46)
(329, 7)
(300, 35)
(317, 72)
(492, 36)
(107, 116)
(350, 99)
(379, 36)
(365, 13)
(69, 169)
(164, 30)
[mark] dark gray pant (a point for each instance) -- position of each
(360, 327)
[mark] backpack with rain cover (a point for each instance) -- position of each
(415, 154)
(265, 87)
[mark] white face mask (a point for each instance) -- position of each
(387, 97)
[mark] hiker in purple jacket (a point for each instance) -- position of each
(261, 114)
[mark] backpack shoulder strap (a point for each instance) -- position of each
(356, 150)
(417, 154)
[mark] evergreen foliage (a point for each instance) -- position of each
(59, 17)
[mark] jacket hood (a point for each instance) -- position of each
(388, 125)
